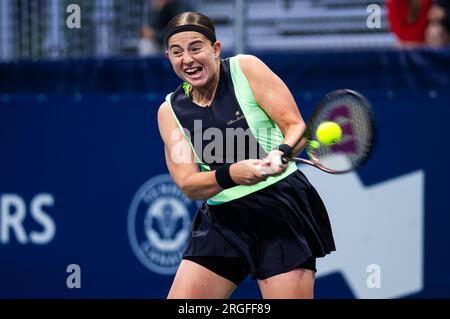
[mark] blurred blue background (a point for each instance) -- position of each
(82, 165)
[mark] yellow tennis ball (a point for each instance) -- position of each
(329, 133)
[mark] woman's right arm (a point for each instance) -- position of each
(185, 172)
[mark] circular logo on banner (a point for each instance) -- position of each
(159, 224)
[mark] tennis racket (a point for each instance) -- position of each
(353, 113)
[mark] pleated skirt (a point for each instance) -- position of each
(274, 230)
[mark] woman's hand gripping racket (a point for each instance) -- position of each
(339, 134)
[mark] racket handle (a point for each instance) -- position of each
(280, 160)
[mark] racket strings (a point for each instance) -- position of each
(353, 114)
(363, 130)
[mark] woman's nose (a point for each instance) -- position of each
(187, 58)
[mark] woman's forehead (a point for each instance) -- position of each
(186, 37)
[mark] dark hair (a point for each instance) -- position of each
(191, 18)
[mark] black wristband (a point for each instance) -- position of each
(286, 149)
(223, 177)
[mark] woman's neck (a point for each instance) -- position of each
(203, 96)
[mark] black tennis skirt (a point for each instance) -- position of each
(274, 230)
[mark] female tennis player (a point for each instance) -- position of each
(221, 128)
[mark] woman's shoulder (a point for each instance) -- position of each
(163, 110)
(246, 59)
(251, 65)
(173, 99)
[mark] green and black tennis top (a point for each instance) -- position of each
(233, 128)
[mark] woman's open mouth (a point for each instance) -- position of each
(192, 72)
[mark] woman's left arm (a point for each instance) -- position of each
(272, 94)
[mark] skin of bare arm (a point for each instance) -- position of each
(274, 97)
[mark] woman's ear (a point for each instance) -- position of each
(217, 48)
